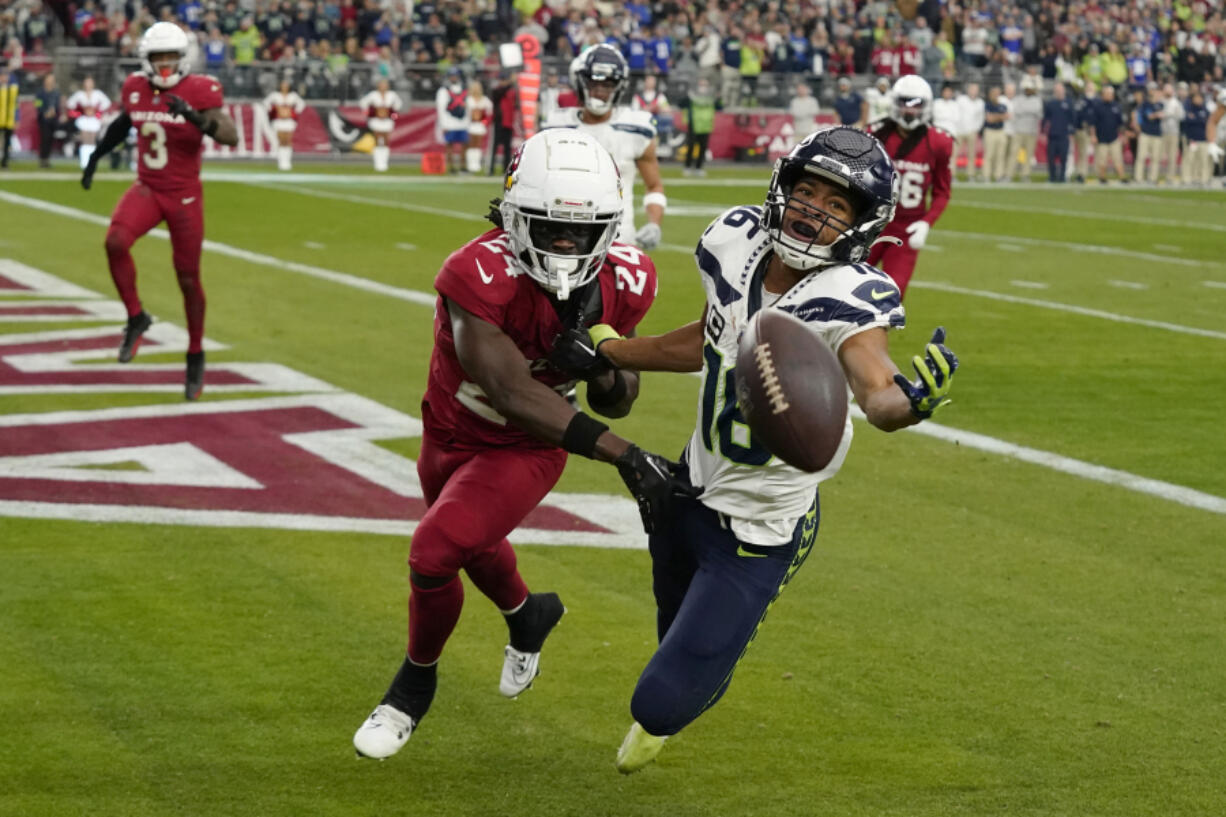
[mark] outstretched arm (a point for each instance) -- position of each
(889, 400)
(677, 351)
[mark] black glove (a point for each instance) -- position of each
(574, 354)
(178, 107)
(87, 175)
(653, 481)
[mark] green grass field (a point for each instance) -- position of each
(983, 629)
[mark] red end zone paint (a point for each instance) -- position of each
(293, 479)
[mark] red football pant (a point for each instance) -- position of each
(139, 211)
(896, 262)
(474, 499)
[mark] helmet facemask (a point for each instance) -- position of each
(561, 248)
(910, 113)
(796, 239)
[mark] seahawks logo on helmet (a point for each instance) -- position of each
(600, 63)
(846, 157)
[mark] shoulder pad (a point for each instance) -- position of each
(561, 118)
(637, 122)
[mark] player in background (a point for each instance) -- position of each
(879, 101)
(727, 554)
(599, 76)
(284, 107)
(922, 154)
(172, 111)
(86, 108)
(479, 113)
(451, 110)
(382, 106)
(497, 424)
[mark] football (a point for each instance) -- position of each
(791, 390)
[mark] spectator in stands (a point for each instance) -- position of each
(1058, 125)
(753, 53)
(709, 53)
(850, 106)
(661, 51)
(730, 72)
(975, 40)
(842, 60)
(216, 52)
(908, 59)
(50, 107)
(246, 43)
(1108, 124)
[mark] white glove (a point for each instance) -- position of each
(1215, 152)
(648, 236)
(918, 230)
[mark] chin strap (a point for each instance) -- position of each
(886, 239)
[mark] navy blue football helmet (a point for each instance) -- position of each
(600, 63)
(846, 157)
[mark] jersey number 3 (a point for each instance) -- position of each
(155, 156)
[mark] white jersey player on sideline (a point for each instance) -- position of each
(382, 106)
(284, 107)
(599, 75)
(880, 100)
(86, 107)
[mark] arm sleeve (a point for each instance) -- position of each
(116, 134)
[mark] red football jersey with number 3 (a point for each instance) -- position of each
(169, 147)
(481, 278)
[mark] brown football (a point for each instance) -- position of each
(791, 390)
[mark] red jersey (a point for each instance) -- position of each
(481, 278)
(922, 171)
(170, 147)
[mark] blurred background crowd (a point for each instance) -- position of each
(751, 55)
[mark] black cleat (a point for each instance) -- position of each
(529, 626)
(195, 376)
(138, 324)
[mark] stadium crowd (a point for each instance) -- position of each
(749, 54)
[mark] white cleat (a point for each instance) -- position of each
(638, 749)
(519, 670)
(383, 733)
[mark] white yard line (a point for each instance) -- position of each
(1097, 473)
(1089, 214)
(1099, 249)
(1077, 310)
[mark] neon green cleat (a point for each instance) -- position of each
(638, 749)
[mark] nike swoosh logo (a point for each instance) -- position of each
(189, 199)
(741, 551)
(489, 279)
(877, 296)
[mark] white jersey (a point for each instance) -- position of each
(763, 496)
(945, 114)
(879, 104)
(626, 134)
(88, 103)
(381, 105)
(451, 107)
(284, 106)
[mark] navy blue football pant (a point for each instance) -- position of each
(1057, 157)
(712, 593)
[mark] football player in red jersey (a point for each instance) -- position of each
(172, 112)
(498, 424)
(921, 153)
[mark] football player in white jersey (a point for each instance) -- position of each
(728, 554)
(86, 107)
(599, 76)
(284, 107)
(382, 106)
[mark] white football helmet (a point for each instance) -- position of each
(162, 38)
(911, 102)
(562, 188)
